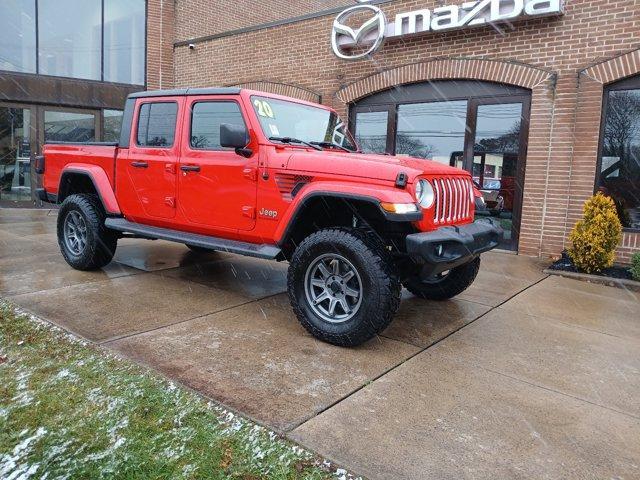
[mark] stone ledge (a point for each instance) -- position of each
(599, 279)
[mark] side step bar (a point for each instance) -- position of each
(232, 246)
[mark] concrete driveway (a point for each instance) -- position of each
(522, 376)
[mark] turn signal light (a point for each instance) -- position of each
(399, 207)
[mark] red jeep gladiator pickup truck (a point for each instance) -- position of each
(272, 177)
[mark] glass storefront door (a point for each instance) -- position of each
(496, 164)
(23, 131)
(16, 136)
(481, 127)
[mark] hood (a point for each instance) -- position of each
(380, 167)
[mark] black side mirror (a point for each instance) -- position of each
(235, 136)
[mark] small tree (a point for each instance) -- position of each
(594, 238)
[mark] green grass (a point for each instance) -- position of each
(70, 410)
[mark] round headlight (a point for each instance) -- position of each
(424, 193)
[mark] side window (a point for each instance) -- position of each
(206, 118)
(157, 124)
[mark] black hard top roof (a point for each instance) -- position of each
(186, 91)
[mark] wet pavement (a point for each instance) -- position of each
(521, 376)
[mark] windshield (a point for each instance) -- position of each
(280, 118)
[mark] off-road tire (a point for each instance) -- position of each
(100, 242)
(196, 249)
(381, 288)
(454, 283)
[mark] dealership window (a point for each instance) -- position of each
(111, 124)
(431, 130)
(371, 133)
(69, 126)
(206, 118)
(69, 38)
(124, 41)
(15, 153)
(88, 39)
(157, 124)
(18, 36)
(619, 163)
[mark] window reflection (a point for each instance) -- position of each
(432, 130)
(18, 36)
(620, 161)
(70, 38)
(124, 41)
(206, 120)
(371, 131)
(496, 153)
(157, 124)
(69, 127)
(111, 125)
(15, 152)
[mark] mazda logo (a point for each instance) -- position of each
(377, 24)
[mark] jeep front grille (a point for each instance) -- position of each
(452, 200)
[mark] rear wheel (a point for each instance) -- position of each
(445, 285)
(342, 286)
(85, 243)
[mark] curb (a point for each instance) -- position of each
(586, 277)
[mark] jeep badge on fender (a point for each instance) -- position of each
(352, 234)
(268, 213)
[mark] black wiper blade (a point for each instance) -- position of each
(294, 140)
(331, 144)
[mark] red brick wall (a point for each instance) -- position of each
(160, 38)
(560, 164)
(199, 18)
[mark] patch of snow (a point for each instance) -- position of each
(13, 466)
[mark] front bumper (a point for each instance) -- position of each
(449, 247)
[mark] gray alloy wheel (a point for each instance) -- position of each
(75, 233)
(333, 288)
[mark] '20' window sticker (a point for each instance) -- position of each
(263, 108)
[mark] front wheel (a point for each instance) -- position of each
(445, 285)
(342, 286)
(85, 243)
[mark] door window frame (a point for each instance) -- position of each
(136, 122)
(193, 103)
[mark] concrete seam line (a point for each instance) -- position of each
(410, 357)
(113, 339)
(542, 387)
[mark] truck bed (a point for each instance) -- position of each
(58, 155)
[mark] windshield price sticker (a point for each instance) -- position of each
(274, 129)
(263, 108)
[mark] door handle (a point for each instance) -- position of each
(190, 168)
(139, 164)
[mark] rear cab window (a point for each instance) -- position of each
(157, 124)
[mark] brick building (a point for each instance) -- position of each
(555, 72)
(543, 109)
